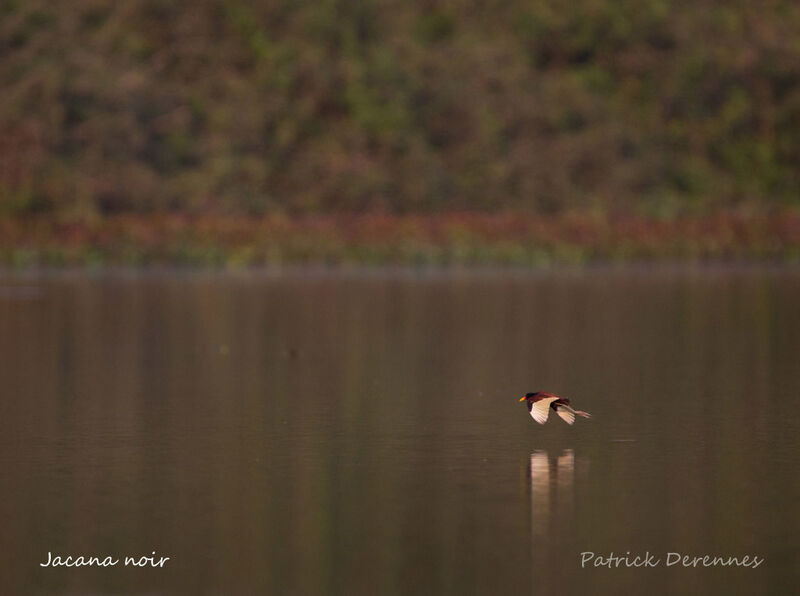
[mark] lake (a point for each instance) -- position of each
(360, 432)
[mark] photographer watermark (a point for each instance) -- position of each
(612, 561)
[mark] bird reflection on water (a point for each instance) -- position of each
(551, 480)
(551, 488)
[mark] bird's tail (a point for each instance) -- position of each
(581, 413)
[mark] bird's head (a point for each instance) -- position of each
(528, 396)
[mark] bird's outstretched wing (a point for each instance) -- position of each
(540, 409)
(566, 414)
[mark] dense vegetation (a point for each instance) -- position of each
(297, 107)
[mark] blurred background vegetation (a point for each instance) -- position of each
(297, 108)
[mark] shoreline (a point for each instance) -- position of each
(441, 240)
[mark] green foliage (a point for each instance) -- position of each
(241, 107)
(435, 26)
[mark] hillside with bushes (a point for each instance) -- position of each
(295, 107)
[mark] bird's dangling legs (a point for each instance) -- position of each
(576, 412)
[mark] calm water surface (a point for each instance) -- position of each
(360, 433)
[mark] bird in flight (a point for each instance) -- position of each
(540, 403)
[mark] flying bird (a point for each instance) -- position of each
(540, 403)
